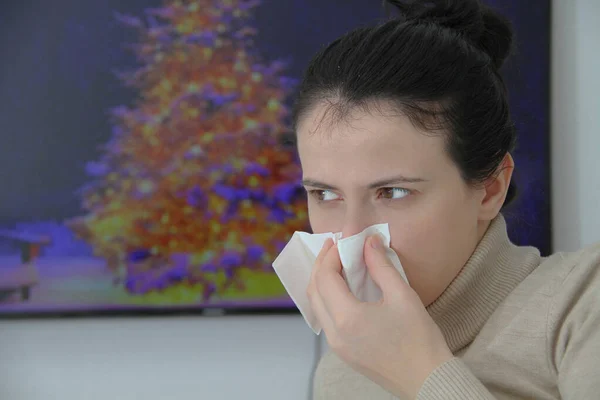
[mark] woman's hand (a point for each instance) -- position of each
(394, 341)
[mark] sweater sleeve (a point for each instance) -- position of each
(574, 330)
(453, 380)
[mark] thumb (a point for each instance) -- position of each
(381, 268)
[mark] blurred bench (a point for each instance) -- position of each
(22, 277)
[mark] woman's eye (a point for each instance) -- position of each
(394, 193)
(324, 195)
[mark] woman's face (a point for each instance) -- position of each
(372, 168)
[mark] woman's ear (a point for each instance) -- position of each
(496, 188)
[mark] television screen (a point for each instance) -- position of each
(144, 164)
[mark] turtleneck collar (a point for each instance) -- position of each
(494, 269)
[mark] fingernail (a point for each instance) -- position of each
(376, 242)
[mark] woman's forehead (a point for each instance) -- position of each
(364, 134)
(366, 147)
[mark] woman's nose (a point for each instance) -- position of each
(354, 224)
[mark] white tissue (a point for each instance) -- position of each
(295, 263)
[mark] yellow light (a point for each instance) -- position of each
(208, 137)
(146, 186)
(227, 83)
(185, 26)
(215, 227)
(147, 130)
(250, 124)
(166, 84)
(273, 105)
(239, 66)
(203, 257)
(196, 150)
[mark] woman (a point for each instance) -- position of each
(407, 123)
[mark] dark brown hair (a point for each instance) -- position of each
(439, 63)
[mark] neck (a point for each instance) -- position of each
(494, 269)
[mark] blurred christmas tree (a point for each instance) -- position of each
(194, 192)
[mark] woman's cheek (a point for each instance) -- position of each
(320, 220)
(407, 240)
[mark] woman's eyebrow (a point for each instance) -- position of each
(395, 180)
(317, 184)
(400, 179)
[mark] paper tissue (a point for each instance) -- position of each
(295, 263)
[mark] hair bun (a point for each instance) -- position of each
(476, 22)
(497, 37)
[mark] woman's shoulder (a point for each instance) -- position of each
(573, 269)
(568, 283)
(573, 321)
(574, 288)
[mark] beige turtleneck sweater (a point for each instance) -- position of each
(520, 327)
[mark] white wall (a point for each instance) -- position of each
(575, 123)
(178, 358)
(271, 357)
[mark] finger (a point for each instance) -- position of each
(332, 287)
(313, 296)
(326, 246)
(321, 313)
(381, 268)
